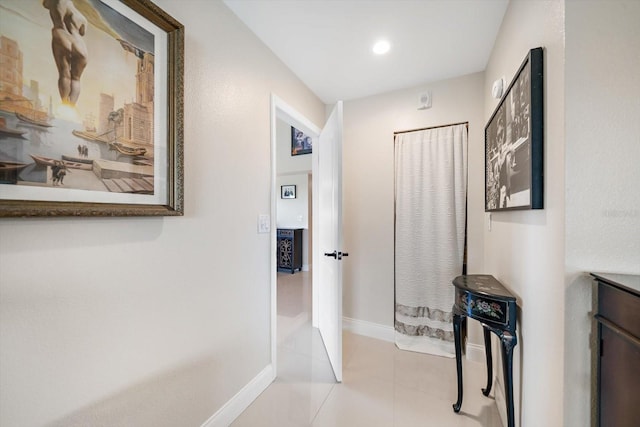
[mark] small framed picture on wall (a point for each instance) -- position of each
(300, 143)
(288, 192)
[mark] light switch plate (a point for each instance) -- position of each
(264, 223)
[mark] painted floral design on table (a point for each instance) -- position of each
(491, 309)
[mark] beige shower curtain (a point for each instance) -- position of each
(430, 214)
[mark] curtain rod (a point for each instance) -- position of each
(433, 127)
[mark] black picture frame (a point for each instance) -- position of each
(287, 191)
(514, 174)
(300, 143)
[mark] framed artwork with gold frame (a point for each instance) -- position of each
(91, 109)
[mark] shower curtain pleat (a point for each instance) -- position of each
(430, 210)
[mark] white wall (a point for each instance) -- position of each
(295, 213)
(525, 249)
(156, 321)
(368, 164)
(602, 152)
(294, 170)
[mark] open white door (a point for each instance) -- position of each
(329, 238)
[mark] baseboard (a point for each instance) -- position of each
(369, 329)
(475, 353)
(305, 267)
(241, 401)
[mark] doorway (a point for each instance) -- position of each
(326, 254)
(290, 212)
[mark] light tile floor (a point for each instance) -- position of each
(382, 386)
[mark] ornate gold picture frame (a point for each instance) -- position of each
(91, 109)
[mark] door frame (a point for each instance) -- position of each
(283, 111)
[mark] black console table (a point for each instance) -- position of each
(290, 249)
(482, 297)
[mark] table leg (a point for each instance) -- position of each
(487, 352)
(508, 342)
(457, 322)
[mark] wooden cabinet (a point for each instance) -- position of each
(290, 249)
(617, 352)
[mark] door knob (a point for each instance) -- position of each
(333, 254)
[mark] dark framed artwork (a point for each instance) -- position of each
(514, 142)
(300, 143)
(94, 128)
(287, 191)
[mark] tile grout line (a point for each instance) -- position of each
(322, 404)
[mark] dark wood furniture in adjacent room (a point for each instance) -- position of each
(617, 350)
(290, 249)
(482, 297)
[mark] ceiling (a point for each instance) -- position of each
(328, 43)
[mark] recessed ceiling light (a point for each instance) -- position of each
(381, 47)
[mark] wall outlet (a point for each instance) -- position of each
(264, 224)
